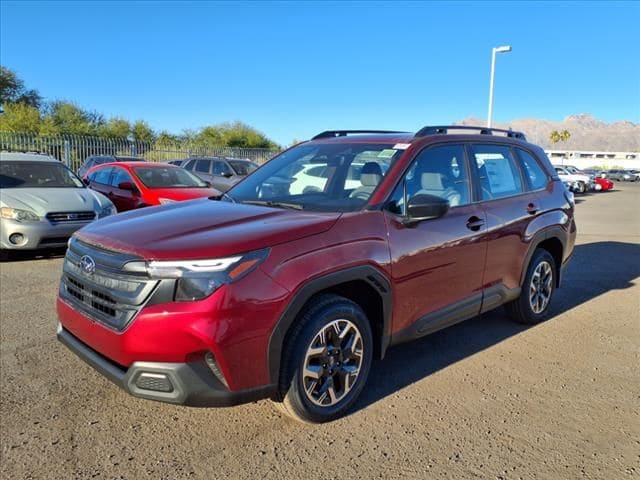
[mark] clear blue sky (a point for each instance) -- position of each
(292, 69)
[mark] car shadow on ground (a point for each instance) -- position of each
(590, 274)
(23, 256)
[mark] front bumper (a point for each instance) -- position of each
(42, 234)
(190, 383)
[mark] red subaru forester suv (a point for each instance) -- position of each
(287, 286)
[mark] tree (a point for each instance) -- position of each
(69, 118)
(142, 132)
(20, 117)
(115, 128)
(562, 136)
(12, 90)
(236, 134)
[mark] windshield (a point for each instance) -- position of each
(37, 175)
(243, 167)
(334, 177)
(168, 177)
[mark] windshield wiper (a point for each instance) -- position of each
(271, 203)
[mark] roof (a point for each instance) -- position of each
(457, 132)
(136, 164)
(390, 138)
(26, 157)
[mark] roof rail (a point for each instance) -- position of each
(344, 133)
(443, 129)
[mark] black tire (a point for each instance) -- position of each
(521, 309)
(321, 313)
(582, 187)
(5, 255)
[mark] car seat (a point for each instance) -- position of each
(432, 184)
(369, 178)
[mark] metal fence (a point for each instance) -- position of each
(73, 149)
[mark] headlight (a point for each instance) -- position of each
(164, 201)
(108, 210)
(19, 215)
(197, 279)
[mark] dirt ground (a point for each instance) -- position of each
(483, 399)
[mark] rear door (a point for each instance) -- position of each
(202, 168)
(509, 207)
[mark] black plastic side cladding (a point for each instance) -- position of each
(367, 273)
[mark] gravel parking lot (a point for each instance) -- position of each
(483, 399)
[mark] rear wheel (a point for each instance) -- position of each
(581, 187)
(326, 360)
(532, 306)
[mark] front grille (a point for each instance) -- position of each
(58, 217)
(106, 294)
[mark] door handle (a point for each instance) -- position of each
(532, 209)
(474, 223)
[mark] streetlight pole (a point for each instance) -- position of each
(503, 49)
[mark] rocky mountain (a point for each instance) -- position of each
(587, 133)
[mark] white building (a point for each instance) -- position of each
(586, 159)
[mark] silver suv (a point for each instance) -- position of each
(222, 173)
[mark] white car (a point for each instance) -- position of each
(314, 176)
(577, 182)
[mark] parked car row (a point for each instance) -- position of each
(581, 181)
(615, 174)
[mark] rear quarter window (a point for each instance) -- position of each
(534, 173)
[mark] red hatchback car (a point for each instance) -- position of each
(131, 185)
(287, 291)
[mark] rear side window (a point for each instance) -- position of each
(189, 165)
(101, 175)
(532, 170)
(202, 166)
(498, 173)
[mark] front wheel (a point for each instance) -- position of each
(532, 306)
(326, 360)
(582, 187)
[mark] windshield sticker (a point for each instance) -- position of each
(387, 153)
(401, 146)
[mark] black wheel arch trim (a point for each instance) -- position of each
(553, 231)
(367, 273)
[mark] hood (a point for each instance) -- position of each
(185, 193)
(45, 200)
(202, 229)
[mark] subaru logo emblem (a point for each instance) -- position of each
(87, 264)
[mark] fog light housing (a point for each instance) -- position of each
(215, 368)
(157, 382)
(16, 238)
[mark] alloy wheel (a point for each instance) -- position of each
(332, 363)
(540, 287)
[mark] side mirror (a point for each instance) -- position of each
(425, 207)
(86, 181)
(127, 186)
(226, 174)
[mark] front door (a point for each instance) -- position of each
(437, 265)
(123, 199)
